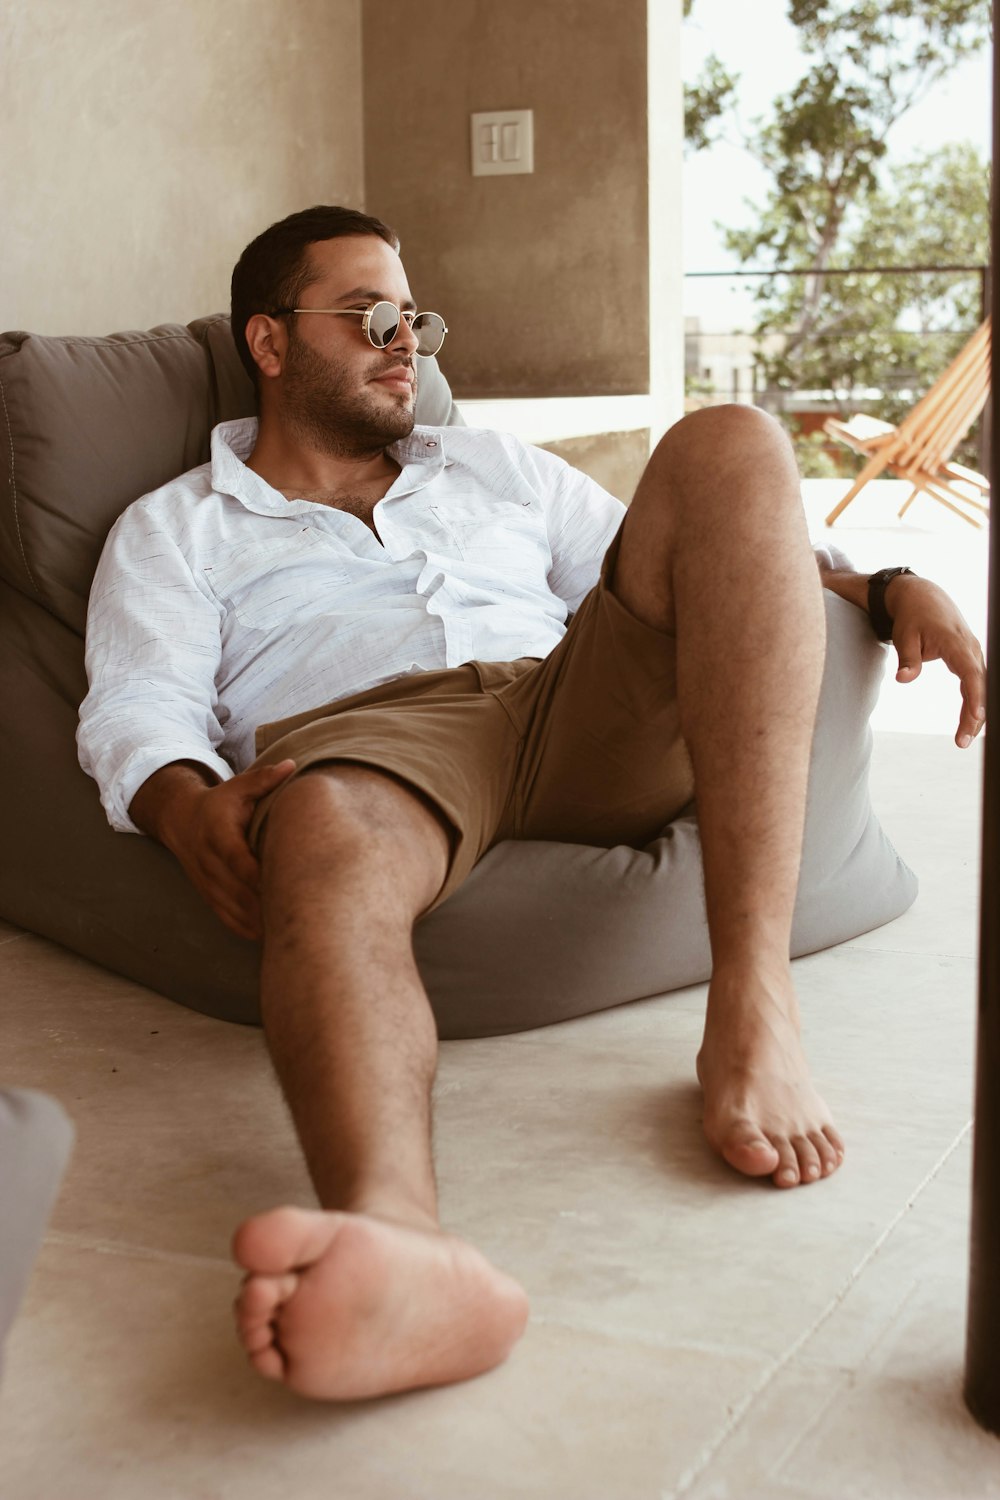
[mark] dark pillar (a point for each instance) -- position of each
(986, 420)
(982, 1365)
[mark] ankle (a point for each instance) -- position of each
(751, 970)
(394, 1208)
(743, 996)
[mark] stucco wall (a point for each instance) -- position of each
(543, 279)
(143, 144)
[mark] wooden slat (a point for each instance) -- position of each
(920, 448)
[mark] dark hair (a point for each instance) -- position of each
(273, 270)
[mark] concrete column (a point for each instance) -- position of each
(665, 105)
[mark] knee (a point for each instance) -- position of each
(345, 834)
(327, 805)
(714, 432)
(717, 457)
(343, 817)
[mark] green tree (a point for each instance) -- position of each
(894, 333)
(707, 100)
(824, 149)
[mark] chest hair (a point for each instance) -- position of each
(360, 503)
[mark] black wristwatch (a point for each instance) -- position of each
(877, 612)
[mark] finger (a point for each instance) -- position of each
(244, 927)
(226, 839)
(910, 652)
(219, 875)
(233, 915)
(241, 916)
(257, 783)
(971, 719)
(968, 667)
(213, 876)
(231, 855)
(249, 931)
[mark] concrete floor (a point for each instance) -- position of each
(692, 1334)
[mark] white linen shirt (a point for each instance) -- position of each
(219, 605)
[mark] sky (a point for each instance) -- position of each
(755, 39)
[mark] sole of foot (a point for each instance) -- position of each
(344, 1307)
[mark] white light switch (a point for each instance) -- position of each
(503, 141)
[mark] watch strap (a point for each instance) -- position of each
(877, 612)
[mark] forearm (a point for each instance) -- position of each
(847, 584)
(161, 804)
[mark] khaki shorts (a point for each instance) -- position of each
(582, 746)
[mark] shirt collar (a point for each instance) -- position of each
(421, 457)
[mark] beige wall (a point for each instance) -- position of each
(144, 143)
(665, 135)
(615, 459)
(543, 279)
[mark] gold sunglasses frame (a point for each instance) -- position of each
(366, 316)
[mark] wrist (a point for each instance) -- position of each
(883, 599)
(163, 805)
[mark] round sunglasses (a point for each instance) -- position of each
(380, 324)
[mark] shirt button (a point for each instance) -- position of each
(429, 444)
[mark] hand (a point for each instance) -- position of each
(206, 828)
(927, 626)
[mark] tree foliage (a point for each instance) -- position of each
(707, 101)
(893, 332)
(831, 202)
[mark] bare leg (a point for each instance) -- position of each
(716, 550)
(369, 1295)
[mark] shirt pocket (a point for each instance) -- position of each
(267, 584)
(508, 539)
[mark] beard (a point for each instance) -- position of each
(331, 406)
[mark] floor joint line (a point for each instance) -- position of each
(68, 1240)
(742, 1409)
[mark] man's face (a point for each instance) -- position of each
(349, 397)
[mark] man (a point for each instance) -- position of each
(390, 605)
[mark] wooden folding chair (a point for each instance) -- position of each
(920, 448)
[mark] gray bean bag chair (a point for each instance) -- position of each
(35, 1140)
(538, 933)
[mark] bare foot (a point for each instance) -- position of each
(345, 1306)
(762, 1113)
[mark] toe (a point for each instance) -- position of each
(258, 1304)
(786, 1173)
(256, 1340)
(835, 1141)
(750, 1152)
(267, 1242)
(284, 1238)
(261, 1296)
(810, 1166)
(829, 1157)
(269, 1363)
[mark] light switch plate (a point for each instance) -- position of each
(503, 142)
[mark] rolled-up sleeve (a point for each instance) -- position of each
(154, 646)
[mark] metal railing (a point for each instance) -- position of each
(729, 364)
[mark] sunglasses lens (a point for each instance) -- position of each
(383, 320)
(430, 331)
